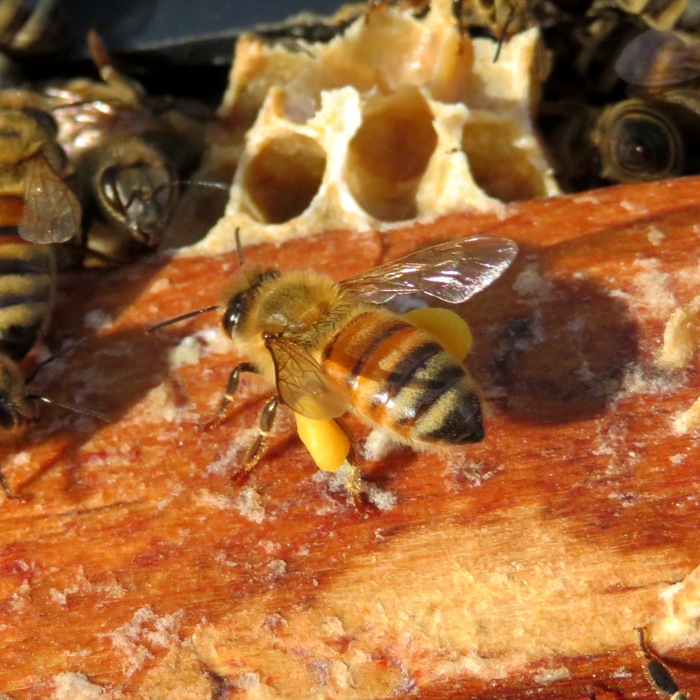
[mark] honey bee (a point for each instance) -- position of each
(520, 14)
(650, 135)
(36, 207)
(659, 673)
(331, 348)
(128, 152)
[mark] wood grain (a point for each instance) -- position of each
(517, 566)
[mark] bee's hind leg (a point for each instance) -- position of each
(257, 449)
(353, 475)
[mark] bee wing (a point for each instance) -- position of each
(658, 59)
(302, 384)
(52, 214)
(452, 271)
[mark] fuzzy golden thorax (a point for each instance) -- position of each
(303, 307)
(300, 303)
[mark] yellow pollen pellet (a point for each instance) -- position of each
(447, 327)
(325, 440)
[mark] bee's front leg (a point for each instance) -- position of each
(230, 393)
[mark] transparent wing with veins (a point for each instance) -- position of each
(52, 214)
(302, 384)
(452, 271)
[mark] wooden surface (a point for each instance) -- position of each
(516, 567)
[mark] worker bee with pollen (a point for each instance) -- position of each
(332, 348)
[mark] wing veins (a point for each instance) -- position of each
(452, 271)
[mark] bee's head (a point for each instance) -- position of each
(133, 187)
(240, 295)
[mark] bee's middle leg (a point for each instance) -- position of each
(257, 449)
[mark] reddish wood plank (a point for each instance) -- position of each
(519, 564)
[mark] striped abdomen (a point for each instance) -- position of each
(399, 377)
(26, 292)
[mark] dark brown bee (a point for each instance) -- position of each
(128, 152)
(36, 207)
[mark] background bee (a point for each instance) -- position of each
(502, 17)
(36, 207)
(655, 133)
(648, 139)
(128, 151)
(585, 42)
(330, 349)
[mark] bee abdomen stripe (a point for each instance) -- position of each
(21, 299)
(414, 360)
(357, 344)
(454, 420)
(23, 266)
(426, 392)
(383, 336)
(10, 232)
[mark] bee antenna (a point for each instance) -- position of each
(504, 33)
(198, 183)
(98, 51)
(70, 407)
(239, 247)
(183, 317)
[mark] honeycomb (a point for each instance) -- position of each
(398, 119)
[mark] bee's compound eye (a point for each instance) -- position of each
(234, 311)
(109, 188)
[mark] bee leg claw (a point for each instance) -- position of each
(213, 423)
(240, 478)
